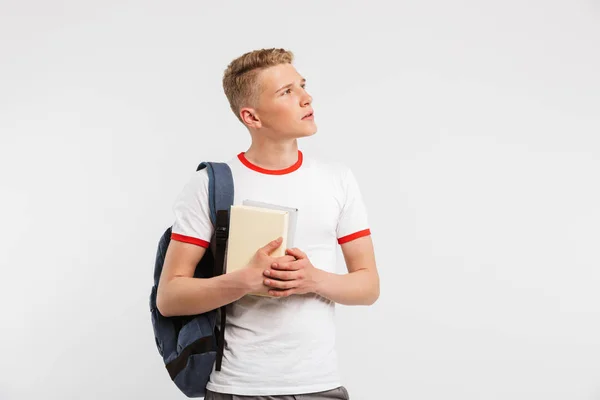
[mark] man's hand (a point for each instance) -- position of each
(252, 275)
(292, 277)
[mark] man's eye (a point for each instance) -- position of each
(289, 89)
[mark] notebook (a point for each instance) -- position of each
(293, 212)
(250, 228)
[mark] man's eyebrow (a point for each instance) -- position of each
(289, 84)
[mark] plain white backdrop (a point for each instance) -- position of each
(472, 127)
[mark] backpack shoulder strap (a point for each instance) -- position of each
(220, 187)
(220, 199)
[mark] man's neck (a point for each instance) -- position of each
(273, 155)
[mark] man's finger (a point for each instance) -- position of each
(282, 293)
(284, 259)
(296, 253)
(280, 284)
(287, 266)
(272, 245)
(281, 275)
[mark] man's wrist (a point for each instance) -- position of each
(320, 281)
(240, 281)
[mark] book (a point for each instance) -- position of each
(293, 217)
(250, 228)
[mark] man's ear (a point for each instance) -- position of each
(249, 117)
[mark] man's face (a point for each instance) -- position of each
(282, 105)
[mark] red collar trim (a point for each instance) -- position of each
(284, 171)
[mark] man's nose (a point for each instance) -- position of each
(307, 99)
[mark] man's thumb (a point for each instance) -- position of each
(272, 245)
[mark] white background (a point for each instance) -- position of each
(472, 128)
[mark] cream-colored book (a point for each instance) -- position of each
(251, 228)
(292, 219)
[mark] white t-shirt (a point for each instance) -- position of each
(279, 346)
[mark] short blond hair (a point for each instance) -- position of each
(240, 79)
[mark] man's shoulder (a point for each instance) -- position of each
(201, 175)
(334, 167)
(196, 182)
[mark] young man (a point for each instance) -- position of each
(280, 347)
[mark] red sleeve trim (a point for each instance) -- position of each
(355, 235)
(189, 239)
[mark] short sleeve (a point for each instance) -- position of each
(353, 220)
(192, 220)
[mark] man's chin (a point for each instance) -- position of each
(308, 132)
(301, 133)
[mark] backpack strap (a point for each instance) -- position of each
(220, 187)
(222, 232)
(220, 199)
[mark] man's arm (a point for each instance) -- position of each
(179, 293)
(360, 286)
